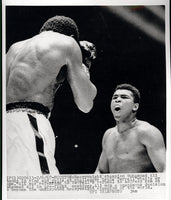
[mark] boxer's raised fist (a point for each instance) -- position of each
(88, 52)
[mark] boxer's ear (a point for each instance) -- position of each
(135, 108)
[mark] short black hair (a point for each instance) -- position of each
(133, 89)
(63, 25)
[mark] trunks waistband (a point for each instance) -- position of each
(37, 107)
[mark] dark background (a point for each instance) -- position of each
(125, 54)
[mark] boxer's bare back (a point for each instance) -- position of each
(33, 66)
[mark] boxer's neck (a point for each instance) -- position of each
(123, 127)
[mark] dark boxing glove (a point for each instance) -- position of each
(88, 50)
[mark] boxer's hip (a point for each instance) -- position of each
(30, 107)
(30, 138)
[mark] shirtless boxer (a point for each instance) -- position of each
(36, 67)
(132, 146)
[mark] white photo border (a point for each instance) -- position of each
(93, 2)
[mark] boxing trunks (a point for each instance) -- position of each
(30, 140)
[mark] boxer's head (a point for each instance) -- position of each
(63, 25)
(126, 99)
(134, 90)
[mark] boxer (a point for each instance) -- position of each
(35, 69)
(132, 146)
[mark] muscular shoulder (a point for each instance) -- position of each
(148, 134)
(14, 48)
(50, 40)
(56, 46)
(13, 52)
(111, 132)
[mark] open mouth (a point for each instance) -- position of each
(117, 108)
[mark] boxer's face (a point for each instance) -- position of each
(122, 104)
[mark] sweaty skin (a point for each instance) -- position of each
(132, 146)
(33, 66)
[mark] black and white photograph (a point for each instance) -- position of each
(86, 100)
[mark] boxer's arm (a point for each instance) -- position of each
(103, 165)
(153, 141)
(83, 89)
(9, 58)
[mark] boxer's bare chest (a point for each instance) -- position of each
(125, 153)
(123, 145)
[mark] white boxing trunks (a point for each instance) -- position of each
(30, 140)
